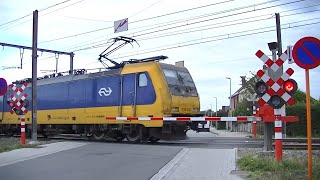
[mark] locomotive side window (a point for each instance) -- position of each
(143, 81)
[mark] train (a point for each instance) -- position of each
(81, 102)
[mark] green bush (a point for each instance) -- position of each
(299, 128)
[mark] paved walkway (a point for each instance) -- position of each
(200, 164)
(203, 164)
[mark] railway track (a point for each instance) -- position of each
(288, 143)
(299, 143)
(110, 140)
(300, 146)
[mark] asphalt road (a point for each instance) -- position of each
(94, 161)
(116, 161)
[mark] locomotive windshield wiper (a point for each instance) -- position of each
(180, 78)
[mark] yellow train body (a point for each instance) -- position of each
(166, 103)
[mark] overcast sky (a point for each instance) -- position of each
(215, 39)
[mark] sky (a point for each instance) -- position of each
(215, 39)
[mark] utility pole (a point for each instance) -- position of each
(274, 46)
(34, 74)
(267, 128)
(283, 108)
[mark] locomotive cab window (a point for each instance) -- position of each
(180, 82)
(143, 81)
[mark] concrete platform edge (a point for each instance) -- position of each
(170, 166)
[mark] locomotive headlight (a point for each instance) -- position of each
(196, 109)
(175, 109)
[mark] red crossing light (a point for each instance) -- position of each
(290, 86)
(10, 103)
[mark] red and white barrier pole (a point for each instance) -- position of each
(278, 135)
(254, 129)
(23, 129)
(254, 126)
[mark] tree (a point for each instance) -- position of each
(243, 109)
(300, 96)
(251, 81)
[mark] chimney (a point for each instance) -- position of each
(243, 81)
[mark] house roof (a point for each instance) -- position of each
(243, 86)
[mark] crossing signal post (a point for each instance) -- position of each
(18, 104)
(275, 92)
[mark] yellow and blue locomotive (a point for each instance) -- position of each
(82, 102)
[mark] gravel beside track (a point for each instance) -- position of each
(286, 153)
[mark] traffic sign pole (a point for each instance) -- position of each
(23, 129)
(309, 125)
(306, 55)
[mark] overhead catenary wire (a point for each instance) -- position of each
(110, 27)
(197, 29)
(63, 7)
(41, 10)
(145, 8)
(176, 45)
(15, 20)
(299, 1)
(290, 26)
(163, 36)
(237, 20)
(208, 41)
(54, 5)
(163, 48)
(206, 20)
(217, 13)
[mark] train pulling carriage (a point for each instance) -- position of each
(80, 103)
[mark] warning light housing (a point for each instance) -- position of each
(10, 103)
(25, 103)
(13, 108)
(276, 102)
(261, 88)
(290, 86)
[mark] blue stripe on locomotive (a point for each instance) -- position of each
(84, 93)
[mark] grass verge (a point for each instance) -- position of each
(265, 167)
(9, 147)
